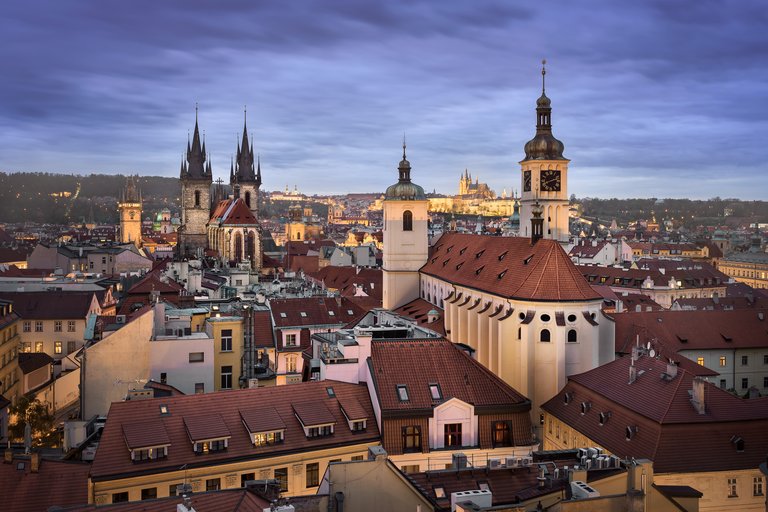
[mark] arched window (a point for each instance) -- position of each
(197, 198)
(238, 255)
(250, 246)
(572, 336)
(407, 220)
(248, 199)
(544, 336)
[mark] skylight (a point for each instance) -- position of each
(434, 391)
(283, 315)
(402, 393)
(303, 314)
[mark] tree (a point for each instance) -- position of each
(40, 420)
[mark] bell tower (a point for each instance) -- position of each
(245, 173)
(196, 182)
(405, 238)
(545, 175)
(130, 213)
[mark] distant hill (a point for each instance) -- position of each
(64, 198)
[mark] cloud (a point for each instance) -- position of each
(648, 90)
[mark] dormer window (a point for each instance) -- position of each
(585, 407)
(208, 434)
(630, 432)
(146, 441)
(265, 426)
(603, 417)
(738, 443)
(435, 392)
(315, 418)
(567, 398)
(402, 393)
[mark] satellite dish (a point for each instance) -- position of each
(653, 353)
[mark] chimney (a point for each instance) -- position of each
(671, 370)
(697, 395)
(34, 462)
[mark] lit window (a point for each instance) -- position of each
(439, 491)
(723, 361)
(700, 361)
(38, 346)
(57, 347)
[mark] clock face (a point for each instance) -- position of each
(131, 214)
(550, 181)
(526, 181)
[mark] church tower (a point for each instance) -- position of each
(130, 213)
(195, 195)
(245, 174)
(405, 238)
(545, 176)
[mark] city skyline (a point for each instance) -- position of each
(657, 100)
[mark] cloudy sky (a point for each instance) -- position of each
(654, 98)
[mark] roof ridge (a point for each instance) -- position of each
(541, 276)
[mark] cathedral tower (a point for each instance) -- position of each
(246, 173)
(130, 213)
(195, 195)
(405, 238)
(545, 176)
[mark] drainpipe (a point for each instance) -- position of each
(339, 501)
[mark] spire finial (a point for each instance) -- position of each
(195, 112)
(403, 145)
(543, 74)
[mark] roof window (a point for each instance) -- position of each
(738, 442)
(502, 255)
(567, 398)
(439, 491)
(283, 315)
(164, 410)
(402, 393)
(603, 417)
(435, 392)
(303, 314)
(630, 432)
(330, 391)
(331, 313)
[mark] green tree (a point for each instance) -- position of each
(40, 420)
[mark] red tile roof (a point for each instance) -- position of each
(113, 458)
(687, 330)
(55, 484)
(419, 363)
(262, 419)
(263, 335)
(418, 309)
(328, 311)
(29, 362)
(228, 500)
(347, 279)
(50, 305)
(669, 429)
(152, 282)
(311, 413)
(145, 434)
(209, 426)
(508, 267)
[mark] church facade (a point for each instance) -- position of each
(518, 302)
(214, 223)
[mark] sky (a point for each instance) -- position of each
(651, 98)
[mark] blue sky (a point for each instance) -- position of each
(653, 98)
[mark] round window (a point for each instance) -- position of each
(571, 318)
(521, 316)
(545, 317)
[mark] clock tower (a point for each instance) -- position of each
(129, 207)
(545, 176)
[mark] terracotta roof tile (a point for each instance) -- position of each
(419, 363)
(50, 305)
(418, 309)
(113, 458)
(29, 362)
(353, 410)
(669, 427)
(508, 267)
(263, 419)
(144, 434)
(55, 484)
(228, 500)
(311, 413)
(316, 311)
(202, 428)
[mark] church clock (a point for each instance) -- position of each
(526, 181)
(550, 181)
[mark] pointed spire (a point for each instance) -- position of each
(196, 153)
(405, 166)
(543, 74)
(258, 171)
